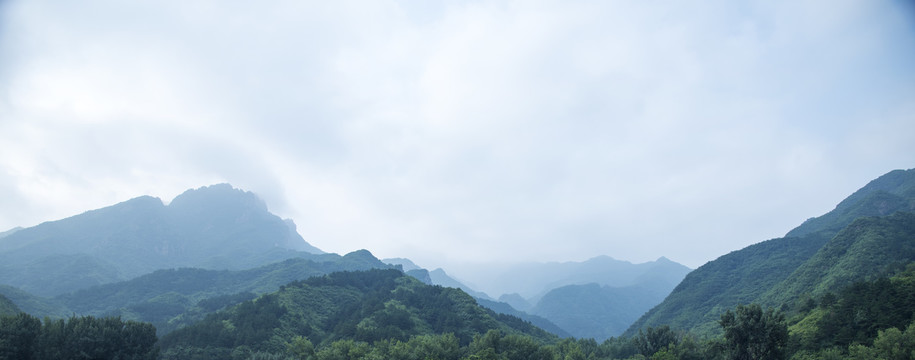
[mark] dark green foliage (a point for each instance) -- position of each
(218, 302)
(18, 334)
(751, 333)
(653, 340)
(857, 314)
(25, 337)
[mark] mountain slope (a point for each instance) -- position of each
(215, 227)
(736, 278)
(816, 256)
(868, 248)
(364, 306)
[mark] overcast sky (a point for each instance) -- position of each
(463, 131)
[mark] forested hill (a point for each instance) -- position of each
(367, 306)
(867, 235)
(215, 227)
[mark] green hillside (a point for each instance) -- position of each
(736, 278)
(369, 306)
(868, 234)
(868, 248)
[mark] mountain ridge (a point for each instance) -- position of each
(217, 227)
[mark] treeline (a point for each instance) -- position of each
(23, 336)
(382, 314)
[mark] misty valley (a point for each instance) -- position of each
(215, 275)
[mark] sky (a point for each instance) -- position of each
(459, 133)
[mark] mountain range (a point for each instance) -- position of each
(205, 267)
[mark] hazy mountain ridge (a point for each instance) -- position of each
(216, 227)
(441, 278)
(533, 280)
(597, 311)
(823, 254)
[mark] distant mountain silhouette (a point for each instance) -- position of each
(214, 227)
(597, 298)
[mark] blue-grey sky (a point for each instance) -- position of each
(463, 131)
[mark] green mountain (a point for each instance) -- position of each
(369, 306)
(868, 248)
(215, 227)
(866, 235)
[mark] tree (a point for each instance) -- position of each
(300, 348)
(653, 340)
(17, 336)
(752, 334)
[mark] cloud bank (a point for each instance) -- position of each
(462, 132)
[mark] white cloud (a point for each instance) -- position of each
(462, 131)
